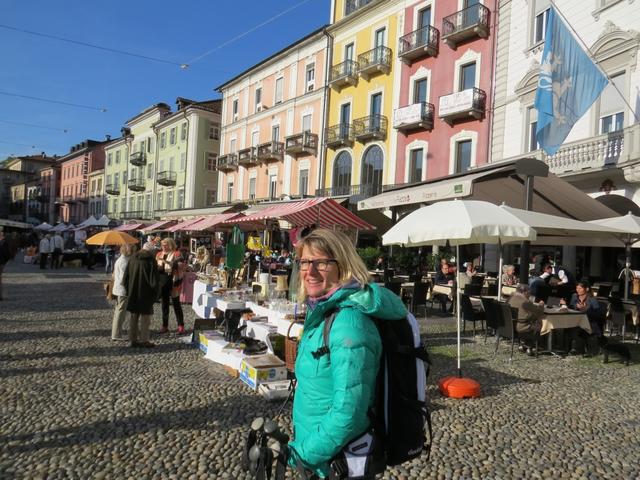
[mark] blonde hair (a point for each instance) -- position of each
(339, 247)
(127, 249)
(169, 241)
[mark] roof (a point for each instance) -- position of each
(268, 59)
(159, 106)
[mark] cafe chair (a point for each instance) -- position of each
(469, 314)
(492, 290)
(507, 328)
(492, 317)
(418, 298)
(617, 316)
(473, 289)
(393, 286)
(604, 291)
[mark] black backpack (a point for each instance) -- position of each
(400, 419)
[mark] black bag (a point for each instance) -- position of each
(400, 418)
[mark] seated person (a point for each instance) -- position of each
(584, 301)
(509, 276)
(470, 269)
(529, 314)
(444, 277)
(537, 285)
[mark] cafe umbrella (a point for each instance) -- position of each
(458, 222)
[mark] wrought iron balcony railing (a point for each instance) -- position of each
(419, 43)
(377, 60)
(413, 117)
(340, 135)
(227, 163)
(271, 151)
(462, 105)
(138, 159)
(112, 189)
(136, 184)
(343, 74)
(469, 22)
(301, 143)
(248, 157)
(167, 178)
(354, 5)
(366, 190)
(372, 127)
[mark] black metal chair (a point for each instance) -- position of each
(469, 314)
(419, 297)
(617, 316)
(506, 328)
(492, 290)
(394, 286)
(473, 289)
(492, 317)
(604, 291)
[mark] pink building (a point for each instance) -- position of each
(75, 168)
(442, 119)
(272, 117)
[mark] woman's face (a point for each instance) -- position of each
(580, 290)
(510, 271)
(318, 283)
(445, 268)
(165, 247)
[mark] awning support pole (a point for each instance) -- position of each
(525, 246)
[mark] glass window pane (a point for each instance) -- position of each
(463, 156)
(468, 76)
(420, 91)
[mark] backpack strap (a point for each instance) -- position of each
(326, 330)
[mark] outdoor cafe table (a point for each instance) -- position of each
(443, 290)
(561, 318)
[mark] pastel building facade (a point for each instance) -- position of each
(272, 122)
(50, 191)
(96, 193)
(441, 118)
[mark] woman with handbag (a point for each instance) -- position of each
(118, 290)
(171, 267)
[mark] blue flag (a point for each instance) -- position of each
(569, 83)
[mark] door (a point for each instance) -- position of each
(471, 12)
(348, 55)
(378, 53)
(424, 21)
(376, 110)
(345, 120)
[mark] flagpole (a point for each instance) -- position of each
(636, 115)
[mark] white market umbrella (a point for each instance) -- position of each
(43, 226)
(103, 221)
(628, 227)
(459, 222)
(89, 222)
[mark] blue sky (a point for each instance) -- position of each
(124, 85)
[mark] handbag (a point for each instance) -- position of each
(108, 290)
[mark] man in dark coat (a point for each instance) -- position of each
(142, 283)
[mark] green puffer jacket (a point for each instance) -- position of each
(334, 392)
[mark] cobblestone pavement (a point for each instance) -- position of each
(76, 405)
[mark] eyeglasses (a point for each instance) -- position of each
(319, 265)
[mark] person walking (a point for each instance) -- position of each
(109, 254)
(119, 290)
(171, 268)
(56, 246)
(334, 394)
(5, 256)
(142, 284)
(45, 250)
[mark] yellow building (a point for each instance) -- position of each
(359, 136)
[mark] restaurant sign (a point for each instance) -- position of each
(419, 194)
(409, 115)
(456, 103)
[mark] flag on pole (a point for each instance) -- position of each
(569, 83)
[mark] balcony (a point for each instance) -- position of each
(138, 159)
(373, 127)
(343, 75)
(136, 184)
(167, 178)
(350, 191)
(69, 199)
(272, 151)
(374, 62)
(466, 24)
(248, 157)
(112, 189)
(354, 5)
(340, 135)
(462, 105)
(82, 198)
(305, 143)
(418, 44)
(227, 163)
(58, 201)
(418, 116)
(136, 214)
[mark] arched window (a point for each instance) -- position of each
(342, 174)
(371, 177)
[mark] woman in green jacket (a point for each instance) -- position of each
(334, 392)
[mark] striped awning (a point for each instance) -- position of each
(323, 212)
(129, 227)
(184, 226)
(158, 226)
(210, 222)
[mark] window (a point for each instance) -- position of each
(235, 110)
(183, 131)
(123, 205)
(232, 146)
(99, 186)
(159, 201)
(342, 174)
(463, 156)
(210, 196)
(149, 145)
(172, 164)
(140, 201)
(147, 203)
(98, 208)
(180, 198)
(532, 125)
(109, 159)
(541, 16)
(255, 138)
(172, 136)
(115, 206)
(150, 171)
(142, 146)
(116, 179)
(229, 191)
(371, 176)
(303, 182)
(108, 179)
(258, 99)
(93, 187)
(124, 177)
(420, 91)
(467, 76)
(252, 188)
(348, 51)
(612, 105)
(310, 77)
(183, 161)
(279, 90)
(306, 123)
(170, 200)
(415, 165)
(275, 133)
(163, 139)
(161, 165)
(118, 157)
(424, 18)
(273, 186)
(212, 159)
(214, 132)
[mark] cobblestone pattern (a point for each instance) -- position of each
(76, 405)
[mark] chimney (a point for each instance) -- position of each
(108, 137)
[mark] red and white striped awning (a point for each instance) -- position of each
(210, 222)
(158, 226)
(323, 212)
(184, 226)
(129, 227)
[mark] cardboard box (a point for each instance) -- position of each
(262, 368)
(275, 390)
(231, 371)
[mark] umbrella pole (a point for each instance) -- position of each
(627, 264)
(500, 271)
(458, 307)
